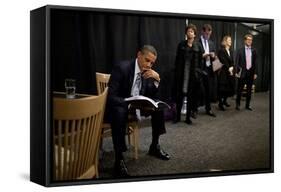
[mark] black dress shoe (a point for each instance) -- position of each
(249, 108)
(176, 120)
(157, 152)
(120, 169)
(188, 121)
(211, 113)
(226, 104)
(221, 107)
(193, 114)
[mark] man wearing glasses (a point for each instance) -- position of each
(246, 70)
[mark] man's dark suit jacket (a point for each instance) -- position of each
(120, 84)
(241, 62)
(209, 79)
(212, 48)
(121, 81)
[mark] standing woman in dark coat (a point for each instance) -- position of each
(186, 74)
(225, 74)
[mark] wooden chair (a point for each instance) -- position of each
(133, 125)
(76, 136)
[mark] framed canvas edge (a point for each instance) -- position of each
(49, 183)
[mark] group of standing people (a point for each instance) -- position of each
(194, 72)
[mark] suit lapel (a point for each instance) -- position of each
(228, 56)
(201, 43)
(231, 57)
(225, 53)
(252, 56)
(244, 57)
(131, 73)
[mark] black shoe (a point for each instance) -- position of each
(193, 114)
(176, 120)
(120, 169)
(221, 107)
(237, 108)
(249, 108)
(226, 104)
(211, 113)
(156, 151)
(188, 121)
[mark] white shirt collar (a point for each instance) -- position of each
(137, 68)
(228, 51)
(202, 38)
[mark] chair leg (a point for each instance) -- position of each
(136, 140)
(133, 137)
(101, 140)
(97, 167)
(130, 131)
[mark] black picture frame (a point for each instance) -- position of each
(41, 84)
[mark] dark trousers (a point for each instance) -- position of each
(192, 100)
(222, 100)
(179, 104)
(248, 80)
(119, 121)
(206, 86)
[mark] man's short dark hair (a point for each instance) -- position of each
(148, 48)
(207, 27)
(248, 36)
(191, 26)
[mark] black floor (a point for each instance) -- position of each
(234, 140)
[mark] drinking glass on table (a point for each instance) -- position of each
(70, 87)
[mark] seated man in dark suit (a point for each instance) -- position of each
(131, 78)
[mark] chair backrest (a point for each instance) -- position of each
(102, 81)
(76, 135)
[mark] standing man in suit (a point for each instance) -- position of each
(131, 78)
(246, 67)
(208, 56)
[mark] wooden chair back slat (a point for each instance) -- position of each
(76, 136)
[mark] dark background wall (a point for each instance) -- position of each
(83, 42)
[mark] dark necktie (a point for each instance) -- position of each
(137, 85)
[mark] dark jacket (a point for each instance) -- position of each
(183, 54)
(120, 84)
(225, 80)
(207, 70)
(241, 62)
